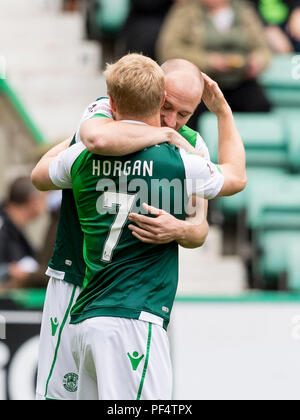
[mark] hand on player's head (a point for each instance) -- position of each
(213, 96)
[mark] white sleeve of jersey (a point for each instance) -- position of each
(60, 167)
(202, 176)
(101, 107)
(201, 147)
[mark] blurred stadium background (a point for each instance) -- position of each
(236, 324)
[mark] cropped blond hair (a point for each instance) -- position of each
(136, 84)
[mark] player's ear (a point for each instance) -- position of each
(112, 104)
(164, 98)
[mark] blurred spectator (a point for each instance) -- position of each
(17, 258)
(38, 278)
(71, 5)
(282, 21)
(225, 39)
(143, 25)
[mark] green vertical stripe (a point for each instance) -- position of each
(59, 338)
(35, 132)
(146, 363)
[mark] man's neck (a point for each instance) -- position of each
(153, 121)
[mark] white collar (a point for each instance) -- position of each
(134, 122)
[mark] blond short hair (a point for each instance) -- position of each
(136, 84)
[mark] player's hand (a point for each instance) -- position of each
(177, 140)
(162, 229)
(213, 96)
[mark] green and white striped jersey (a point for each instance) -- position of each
(124, 277)
(67, 261)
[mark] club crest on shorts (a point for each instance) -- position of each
(54, 325)
(70, 382)
(135, 359)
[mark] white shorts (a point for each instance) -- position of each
(122, 359)
(57, 372)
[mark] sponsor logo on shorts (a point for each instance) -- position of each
(70, 382)
(54, 325)
(135, 359)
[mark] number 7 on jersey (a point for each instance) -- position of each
(108, 201)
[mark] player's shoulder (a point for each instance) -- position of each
(189, 134)
(100, 107)
(71, 155)
(78, 159)
(196, 140)
(189, 130)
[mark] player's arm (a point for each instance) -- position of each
(165, 228)
(104, 136)
(195, 228)
(40, 175)
(53, 172)
(114, 138)
(232, 156)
